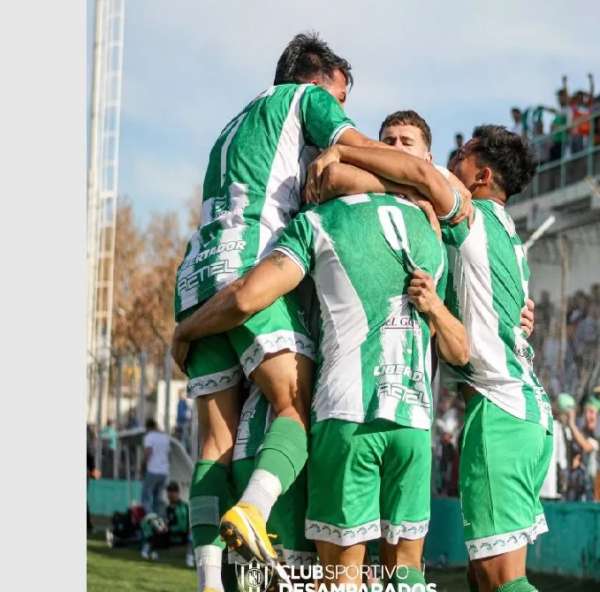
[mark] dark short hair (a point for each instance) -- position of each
(151, 424)
(408, 117)
(173, 486)
(507, 154)
(307, 56)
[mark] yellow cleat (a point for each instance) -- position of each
(244, 530)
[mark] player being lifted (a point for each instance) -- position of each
(251, 191)
(506, 442)
(376, 262)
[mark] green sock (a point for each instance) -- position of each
(518, 585)
(407, 575)
(284, 451)
(210, 498)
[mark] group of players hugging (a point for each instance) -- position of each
(330, 276)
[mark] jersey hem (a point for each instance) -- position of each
(392, 533)
(343, 536)
(498, 544)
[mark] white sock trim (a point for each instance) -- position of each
(209, 555)
(208, 567)
(267, 481)
(262, 491)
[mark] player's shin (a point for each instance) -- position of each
(210, 496)
(280, 460)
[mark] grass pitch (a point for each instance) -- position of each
(123, 570)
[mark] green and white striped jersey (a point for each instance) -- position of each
(252, 184)
(487, 289)
(374, 357)
(255, 419)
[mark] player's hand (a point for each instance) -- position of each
(466, 210)
(179, 349)
(426, 206)
(422, 293)
(528, 317)
(312, 187)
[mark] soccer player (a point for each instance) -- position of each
(507, 439)
(251, 190)
(507, 442)
(371, 409)
(286, 521)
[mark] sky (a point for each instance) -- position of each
(191, 65)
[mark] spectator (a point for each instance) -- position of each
(552, 486)
(132, 421)
(517, 117)
(578, 489)
(541, 143)
(109, 438)
(459, 139)
(448, 425)
(586, 447)
(586, 337)
(109, 434)
(158, 533)
(562, 118)
(581, 106)
(183, 418)
(156, 460)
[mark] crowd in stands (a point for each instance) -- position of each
(573, 385)
(570, 130)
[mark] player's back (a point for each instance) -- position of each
(374, 346)
(252, 184)
(487, 289)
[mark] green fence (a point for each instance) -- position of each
(571, 548)
(106, 496)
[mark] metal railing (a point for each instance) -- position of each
(579, 157)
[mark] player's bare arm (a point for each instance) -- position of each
(350, 137)
(345, 179)
(452, 340)
(273, 277)
(398, 167)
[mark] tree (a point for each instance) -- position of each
(145, 267)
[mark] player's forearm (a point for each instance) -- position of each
(224, 311)
(344, 179)
(452, 340)
(406, 169)
(352, 137)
